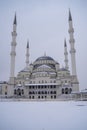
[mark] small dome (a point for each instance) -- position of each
(25, 69)
(63, 69)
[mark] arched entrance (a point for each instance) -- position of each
(66, 90)
(19, 92)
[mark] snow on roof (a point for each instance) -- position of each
(40, 84)
(3, 82)
(84, 91)
(19, 85)
(63, 69)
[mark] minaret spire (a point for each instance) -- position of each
(27, 54)
(72, 42)
(45, 53)
(65, 45)
(15, 21)
(66, 55)
(13, 51)
(70, 17)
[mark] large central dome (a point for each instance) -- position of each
(44, 66)
(45, 58)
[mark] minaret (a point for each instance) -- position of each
(44, 54)
(72, 42)
(27, 55)
(13, 52)
(66, 55)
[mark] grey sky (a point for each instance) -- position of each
(45, 24)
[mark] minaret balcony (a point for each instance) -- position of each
(71, 30)
(72, 40)
(13, 53)
(65, 53)
(66, 60)
(27, 55)
(14, 33)
(72, 51)
(13, 43)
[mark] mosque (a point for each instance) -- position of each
(43, 79)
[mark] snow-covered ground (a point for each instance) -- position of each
(58, 115)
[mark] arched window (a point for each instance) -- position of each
(38, 86)
(51, 96)
(39, 92)
(65, 81)
(54, 81)
(51, 86)
(45, 86)
(51, 81)
(15, 91)
(42, 97)
(33, 87)
(42, 92)
(29, 87)
(66, 90)
(19, 82)
(62, 90)
(70, 90)
(54, 92)
(42, 86)
(42, 81)
(51, 92)
(32, 97)
(39, 97)
(45, 96)
(30, 82)
(45, 92)
(5, 93)
(29, 92)
(33, 92)
(19, 92)
(22, 91)
(34, 82)
(5, 87)
(54, 96)
(54, 86)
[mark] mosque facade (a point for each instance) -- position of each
(43, 79)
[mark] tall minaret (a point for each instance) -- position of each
(66, 55)
(72, 42)
(13, 52)
(27, 55)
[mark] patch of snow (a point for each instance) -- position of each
(57, 115)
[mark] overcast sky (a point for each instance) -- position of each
(45, 24)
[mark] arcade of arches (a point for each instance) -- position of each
(66, 90)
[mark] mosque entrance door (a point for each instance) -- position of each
(19, 92)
